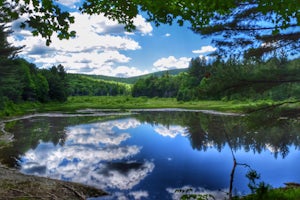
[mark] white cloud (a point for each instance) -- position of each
(95, 49)
(205, 49)
(171, 131)
(171, 63)
(140, 194)
(91, 155)
(142, 26)
(132, 123)
(69, 3)
(167, 34)
(124, 71)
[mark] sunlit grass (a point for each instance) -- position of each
(128, 102)
(289, 193)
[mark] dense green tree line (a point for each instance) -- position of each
(276, 78)
(154, 86)
(23, 81)
(85, 86)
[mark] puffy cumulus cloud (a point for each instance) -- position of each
(139, 194)
(102, 24)
(95, 49)
(126, 124)
(123, 176)
(102, 132)
(171, 63)
(91, 155)
(205, 49)
(273, 149)
(125, 71)
(69, 3)
(107, 68)
(171, 131)
(142, 26)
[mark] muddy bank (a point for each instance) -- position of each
(14, 185)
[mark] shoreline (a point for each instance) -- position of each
(15, 185)
(13, 182)
(8, 137)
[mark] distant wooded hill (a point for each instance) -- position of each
(132, 80)
(98, 85)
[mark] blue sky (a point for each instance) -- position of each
(103, 47)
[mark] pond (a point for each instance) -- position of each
(157, 154)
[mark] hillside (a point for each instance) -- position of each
(80, 85)
(132, 80)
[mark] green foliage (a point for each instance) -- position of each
(58, 84)
(22, 81)
(123, 102)
(11, 85)
(83, 85)
(44, 17)
(6, 49)
(153, 86)
(198, 68)
(252, 175)
(264, 191)
(132, 80)
(247, 28)
(276, 79)
(274, 194)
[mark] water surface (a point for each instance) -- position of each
(157, 155)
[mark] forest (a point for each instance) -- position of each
(256, 63)
(276, 78)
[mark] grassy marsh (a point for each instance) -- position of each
(128, 102)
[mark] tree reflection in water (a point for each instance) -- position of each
(255, 132)
(95, 139)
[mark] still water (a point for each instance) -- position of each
(157, 155)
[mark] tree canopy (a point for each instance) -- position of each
(6, 49)
(256, 26)
(43, 17)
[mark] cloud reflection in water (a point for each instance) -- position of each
(93, 154)
(170, 131)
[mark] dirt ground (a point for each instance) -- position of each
(17, 186)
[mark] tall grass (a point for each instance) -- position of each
(127, 102)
